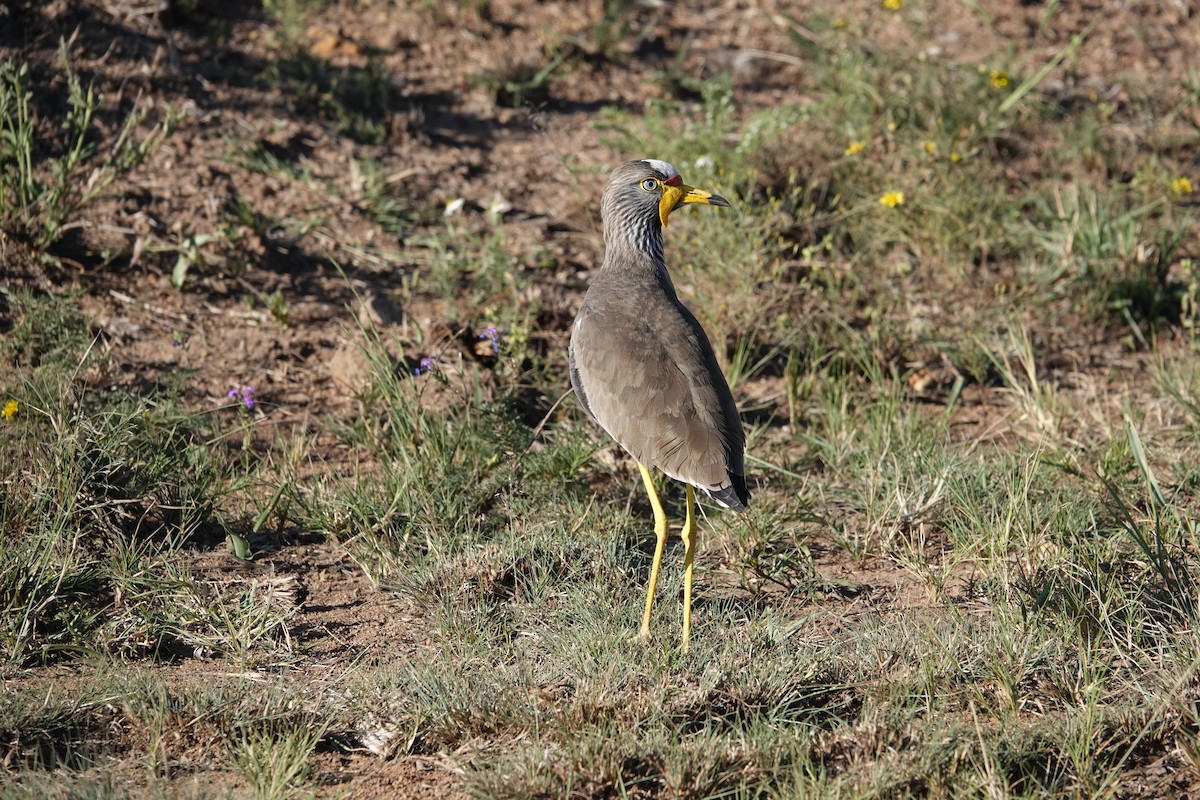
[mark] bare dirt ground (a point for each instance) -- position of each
(446, 137)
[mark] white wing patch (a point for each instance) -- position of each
(667, 170)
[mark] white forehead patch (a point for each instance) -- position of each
(667, 170)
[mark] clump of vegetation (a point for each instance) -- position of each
(352, 101)
(101, 498)
(524, 83)
(45, 183)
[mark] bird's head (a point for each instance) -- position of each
(642, 190)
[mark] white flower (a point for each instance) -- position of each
(498, 207)
(704, 162)
(453, 206)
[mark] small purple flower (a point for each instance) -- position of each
(493, 336)
(244, 395)
(426, 365)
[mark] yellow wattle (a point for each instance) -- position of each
(671, 196)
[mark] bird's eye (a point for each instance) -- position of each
(649, 185)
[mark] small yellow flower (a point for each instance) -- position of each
(839, 23)
(893, 5)
(999, 79)
(892, 199)
(1181, 185)
(854, 148)
(955, 156)
(930, 147)
(10, 409)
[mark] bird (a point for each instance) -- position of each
(643, 368)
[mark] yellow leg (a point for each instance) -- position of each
(660, 530)
(689, 554)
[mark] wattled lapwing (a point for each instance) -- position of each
(643, 368)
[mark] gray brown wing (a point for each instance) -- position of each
(654, 384)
